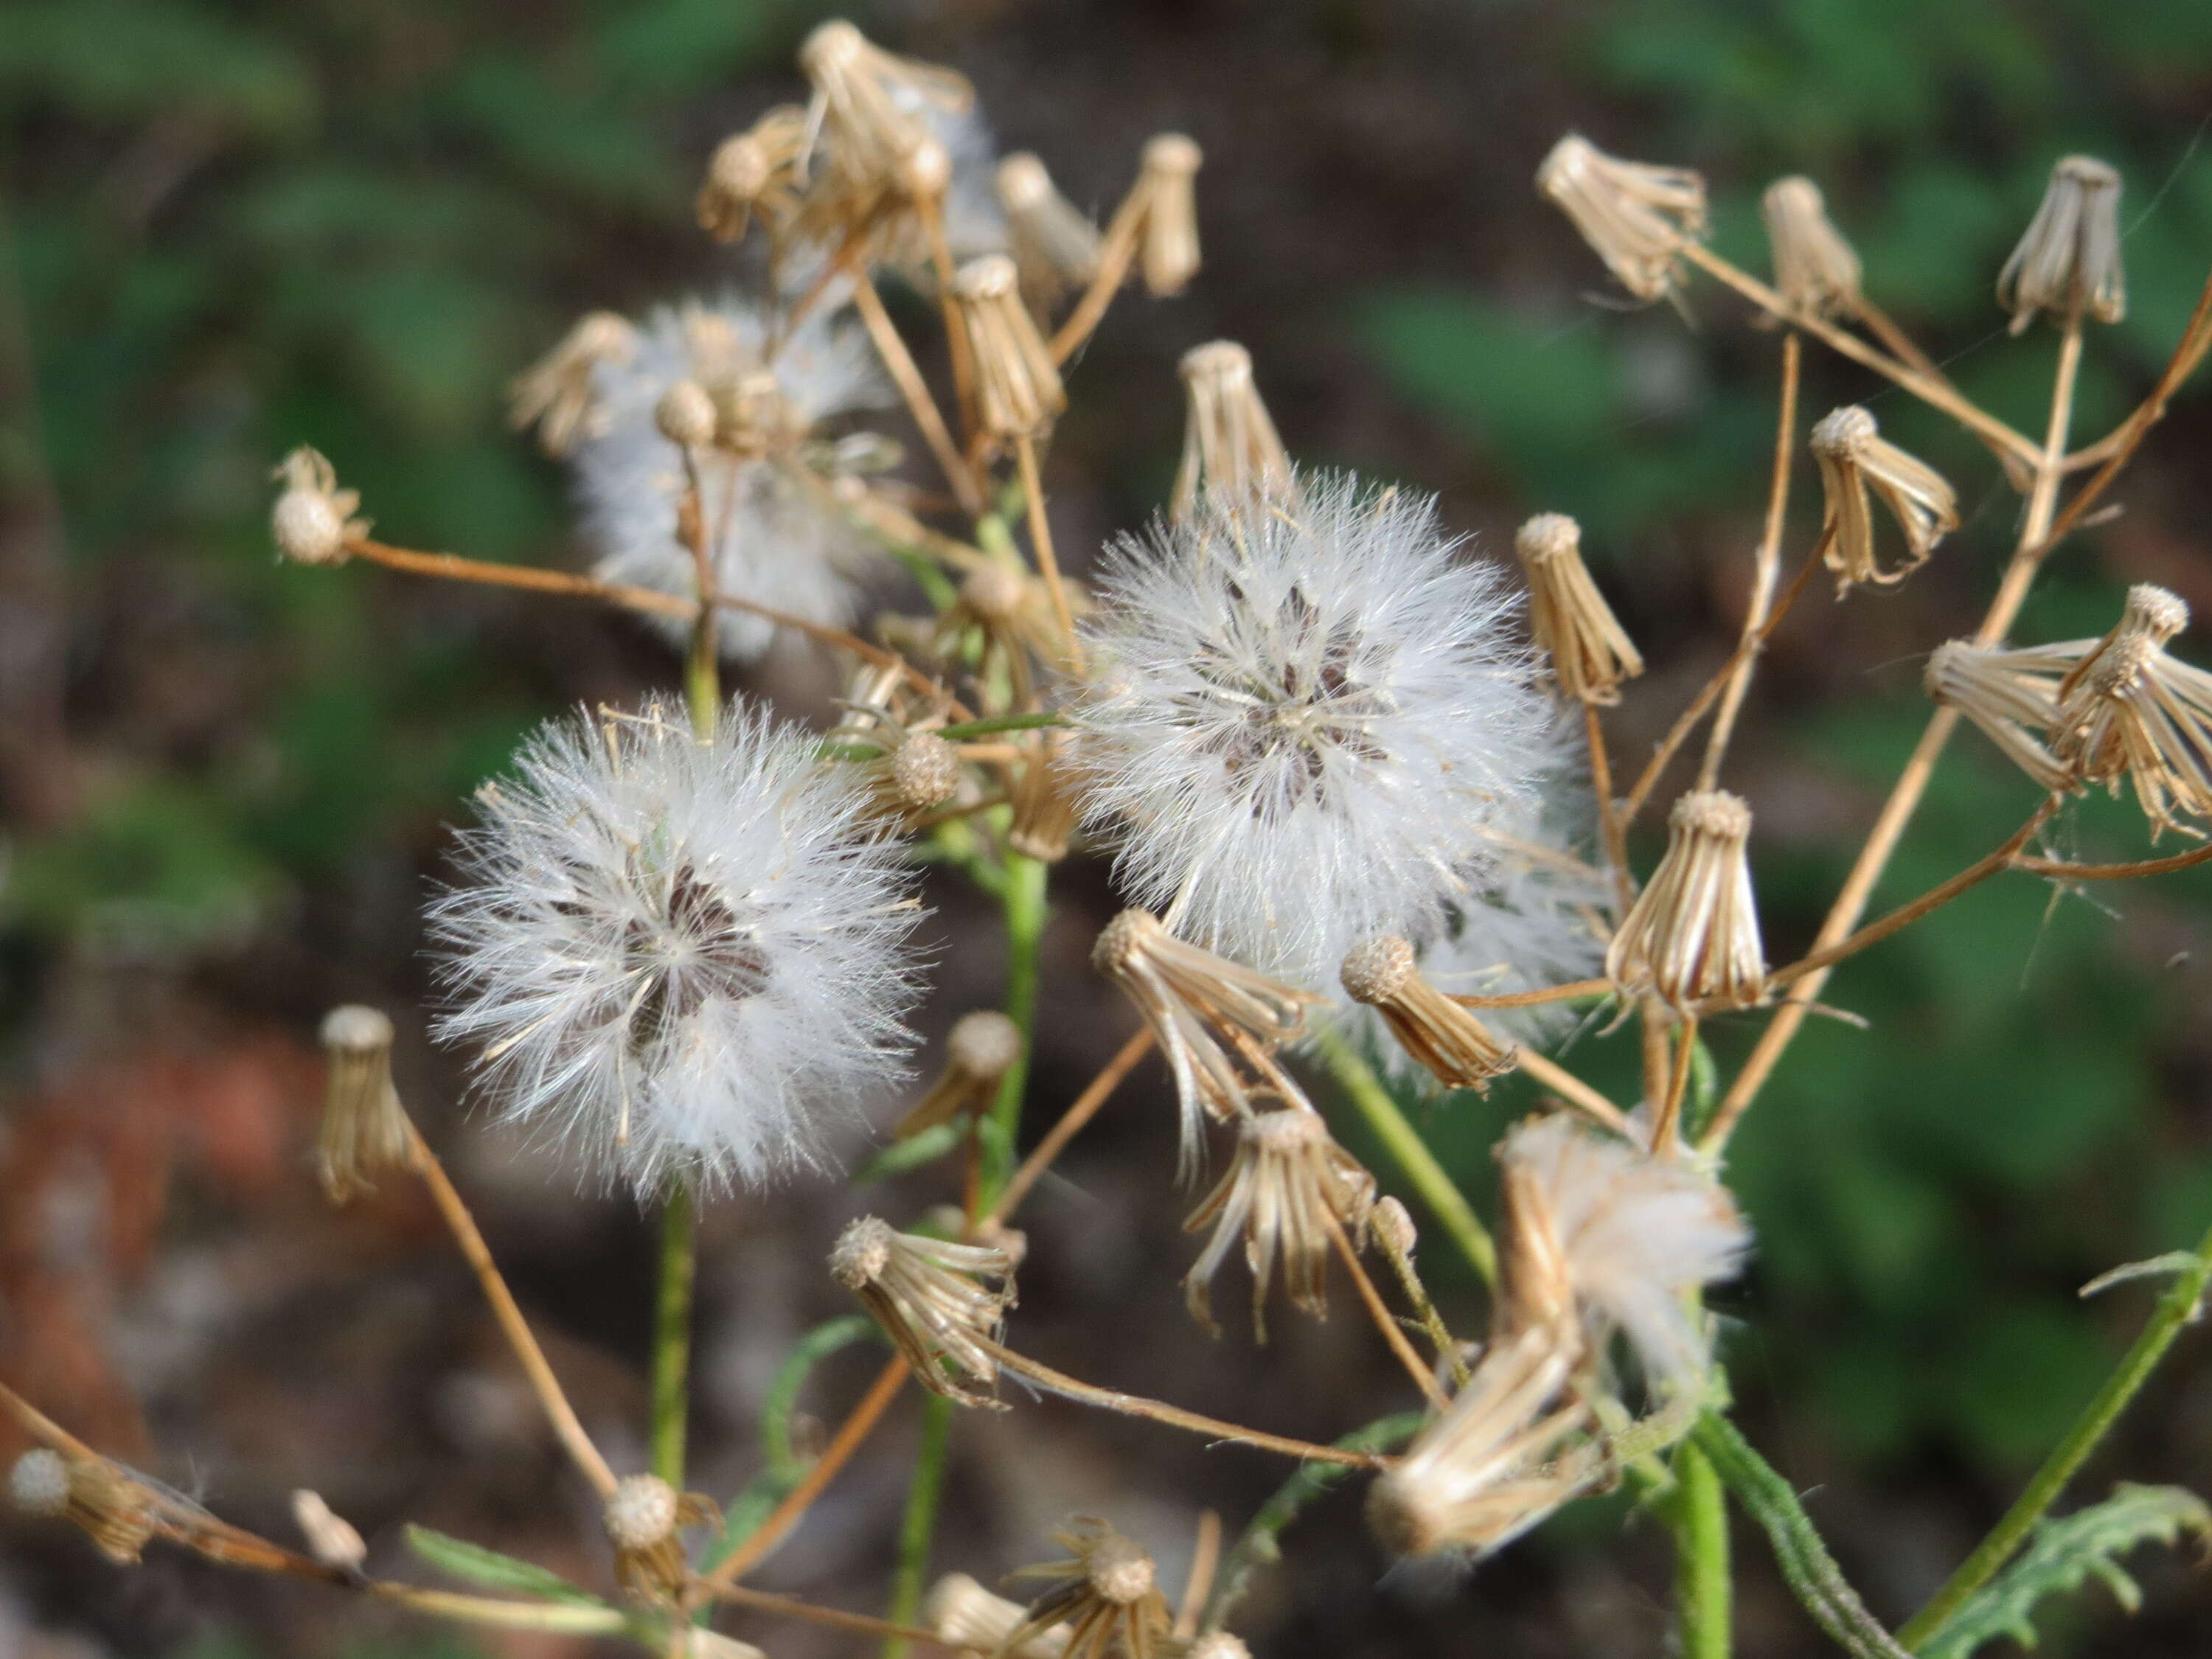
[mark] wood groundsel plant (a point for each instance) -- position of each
(1331, 753)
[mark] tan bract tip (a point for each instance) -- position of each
(832, 44)
(992, 277)
(1392, 1225)
(739, 166)
(354, 1028)
(1547, 536)
(641, 1513)
(984, 1044)
(994, 593)
(862, 1252)
(308, 528)
(1222, 361)
(1376, 970)
(1287, 1133)
(1172, 152)
(1843, 431)
(1121, 941)
(925, 771)
(685, 415)
(39, 1482)
(331, 1539)
(2122, 663)
(1712, 812)
(1119, 1569)
(925, 168)
(2154, 611)
(2087, 170)
(1023, 182)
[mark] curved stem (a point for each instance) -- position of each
(1385, 1321)
(2058, 869)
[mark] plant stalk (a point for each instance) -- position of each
(1702, 1586)
(919, 1527)
(671, 1330)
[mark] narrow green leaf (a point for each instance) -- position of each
(476, 1564)
(911, 1153)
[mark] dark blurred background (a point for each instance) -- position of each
(229, 229)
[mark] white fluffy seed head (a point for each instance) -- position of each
(1301, 725)
(39, 1482)
(641, 1513)
(679, 955)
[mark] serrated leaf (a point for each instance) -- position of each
(2064, 1554)
(489, 1569)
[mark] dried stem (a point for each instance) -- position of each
(1667, 1130)
(1205, 1557)
(1572, 989)
(1550, 1074)
(915, 390)
(1117, 248)
(956, 337)
(478, 1254)
(1379, 1311)
(1041, 542)
(453, 568)
(790, 1607)
(2058, 869)
(1085, 1107)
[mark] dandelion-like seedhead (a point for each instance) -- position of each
(1304, 723)
(680, 958)
(767, 482)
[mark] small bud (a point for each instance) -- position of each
(685, 416)
(751, 171)
(1229, 445)
(1055, 247)
(1169, 256)
(2068, 261)
(1436, 1030)
(929, 1298)
(981, 1049)
(1590, 653)
(1816, 271)
(994, 592)
(313, 518)
(1635, 217)
(1017, 386)
(1853, 459)
(331, 1539)
(557, 391)
(1691, 936)
(1392, 1227)
(365, 1128)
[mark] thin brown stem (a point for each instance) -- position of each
(790, 1607)
(855, 1429)
(900, 361)
(1048, 560)
(1579, 987)
(1613, 823)
(1198, 1584)
(2037, 533)
(1086, 1108)
(453, 568)
(931, 209)
(1117, 249)
(1379, 1311)
(1766, 568)
(2058, 869)
(823, 635)
(1667, 1129)
(1157, 1411)
(1550, 1074)
(547, 1386)
(1895, 341)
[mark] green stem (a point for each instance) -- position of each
(1701, 1557)
(1403, 1142)
(702, 677)
(920, 1527)
(671, 1330)
(987, 726)
(2176, 1308)
(1023, 899)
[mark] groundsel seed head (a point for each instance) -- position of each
(2128, 709)
(1854, 459)
(364, 1125)
(758, 170)
(39, 1485)
(1635, 218)
(1591, 654)
(314, 519)
(981, 1049)
(1107, 1595)
(102, 1499)
(1229, 445)
(1304, 723)
(685, 415)
(643, 1519)
(1055, 246)
(924, 771)
(559, 392)
(1166, 185)
(2009, 695)
(1289, 1182)
(928, 1296)
(2068, 261)
(1815, 271)
(1691, 936)
(1017, 386)
(331, 1539)
(679, 957)
(776, 535)
(1458, 1050)
(968, 1617)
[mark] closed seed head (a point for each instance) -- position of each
(1590, 652)
(313, 518)
(1168, 251)
(1691, 936)
(1854, 459)
(1054, 245)
(2068, 263)
(1635, 217)
(1230, 447)
(1816, 271)
(1017, 386)
(1457, 1049)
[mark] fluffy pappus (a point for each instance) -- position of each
(1302, 726)
(774, 532)
(680, 957)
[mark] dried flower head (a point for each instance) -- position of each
(868, 103)
(559, 392)
(1017, 388)
(1045, 802)
(759, 170)
(1854, 458)
(2010, 695)
(1218, 1023)
(1055, 246)
(1108, 1596)
(968, 1617)
(1590, 652)
(1635, 217)
(331, 1539)
(116, 1510)
(929, 1298)
(683, 957)
(1384, 974)
(314, 519)
(1289, 1185)
(2069, 262)
(643, 1521)
(776, 532)
(981, 1049)
(1815, 271)
(1691, 936)
(1012, 611)
(1229, 445)
(1305, 723)
(1602, 1231)
(918, 772)
(364, 1126)
(2129, 709)
(1168, 232)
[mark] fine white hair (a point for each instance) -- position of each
(775, 536)
(1305, 722)
(1637, 1232)
(680, 958)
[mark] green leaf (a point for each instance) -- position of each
(489, 1568)
(911, 1153)
(2063, 1555)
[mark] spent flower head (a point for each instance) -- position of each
(1635, 217)
(1815, 270)
(365, 1128)
(1107, 1597)
(1692, 934)
(2068, 263)
(929, 1297)
(1590, 652)
(2129, 710)
(1054, 245)
(1230, 445)
(682, 957)
(1855, 458)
